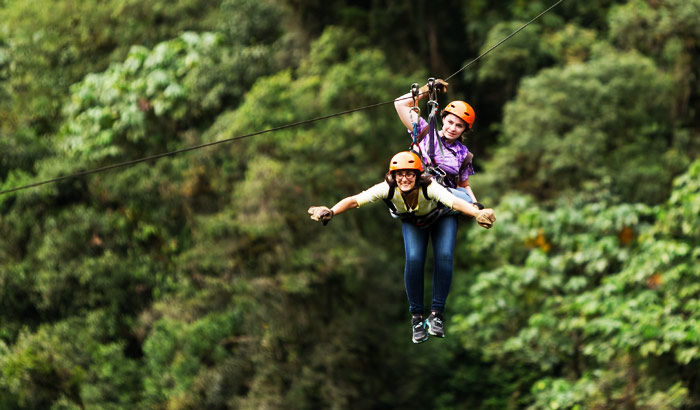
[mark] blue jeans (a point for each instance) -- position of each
(443, 233)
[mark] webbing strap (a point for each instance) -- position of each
(432, 134)
(392, 207)
(414, 136)
(423, 221)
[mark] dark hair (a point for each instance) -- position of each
(422, 179)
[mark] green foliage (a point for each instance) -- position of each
(54, 44)
(648, 28)
(518, 57)
(21, 149)
(70, 362)
(666, 31)
(143, 101)
(197, 281)
(250, 23)
(175, 353)
(572, 44)
(609, 141)
(599, 302)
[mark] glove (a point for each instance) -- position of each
(478, 205)
(439, 85)
(321, 213)
(485, 218)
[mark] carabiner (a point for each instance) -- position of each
(414, 93)
(433, 106)
(432, 91)
(432, 96)
(414, 112)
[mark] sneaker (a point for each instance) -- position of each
(434, 325)
(419, 333)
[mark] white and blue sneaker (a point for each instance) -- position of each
(419, 333)
(434, 324)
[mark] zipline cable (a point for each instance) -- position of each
(294, 124)
(192, 148)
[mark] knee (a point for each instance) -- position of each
(414, 261)
(444, 255)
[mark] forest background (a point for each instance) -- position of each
(197, 281)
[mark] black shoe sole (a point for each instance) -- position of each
(420, 341)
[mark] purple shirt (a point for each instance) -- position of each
(450, 158)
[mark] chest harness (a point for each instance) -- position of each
(422, 221)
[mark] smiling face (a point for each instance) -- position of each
(405, 179)
(453, 127)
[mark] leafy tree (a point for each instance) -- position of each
(104, 243)
(599, 300)
(197, 281)
(145, 101)
(601, 127)
(70, 362)
(520, 56)
(665, 31)
(268, 248)
(54, 44)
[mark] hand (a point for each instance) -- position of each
(439, 85)
(321, 213)
(485, 217)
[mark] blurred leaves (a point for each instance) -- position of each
(51, 44)
(609, 141)
(592, 302)
(198, 281)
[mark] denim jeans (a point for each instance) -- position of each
(443, 234)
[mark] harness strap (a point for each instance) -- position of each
(415, 136)
(388, 201)
(392, 190)
(466, 162)
(423, 221)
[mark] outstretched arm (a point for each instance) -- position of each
(464, 207)
(324, 214)
(465, 184)
(484, 217)
(344, 204)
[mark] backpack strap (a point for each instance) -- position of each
(423, 222)
(391, 205)
(388, 201)
(465, 163)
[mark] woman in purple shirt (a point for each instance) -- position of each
(449, 153)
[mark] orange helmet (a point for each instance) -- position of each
(462, 110)
(405, 160)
